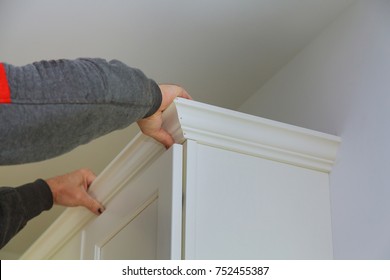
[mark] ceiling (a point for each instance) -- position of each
(221, 51)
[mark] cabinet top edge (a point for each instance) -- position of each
(201, 108)
(228, 129)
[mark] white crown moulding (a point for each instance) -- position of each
(205, 124)
(239, 132)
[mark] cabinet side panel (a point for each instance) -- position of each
(137, 240)
(142, 214)
(251, 208)
(70, 251)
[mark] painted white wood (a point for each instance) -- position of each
(170, 203)
(71, 250)
(236, 131)
(250, 208)
(137, 240)
(159, 182)
(270, 145)
(58, 234)
(189, 201)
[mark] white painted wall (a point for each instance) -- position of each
(340, 84)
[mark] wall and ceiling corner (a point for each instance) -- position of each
(339, 84)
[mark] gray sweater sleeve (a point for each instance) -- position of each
(58, 105)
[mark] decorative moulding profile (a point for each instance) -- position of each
(235, 131)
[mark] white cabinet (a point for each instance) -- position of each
(143, 220)
(234, 187)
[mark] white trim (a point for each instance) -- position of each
(169, 227)
(235, 131)
(189, 206)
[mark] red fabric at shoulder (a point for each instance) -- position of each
(5, 93)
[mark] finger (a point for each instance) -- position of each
(169, 93)
(92, 205)
(88, 177)
(184, 94)
(164, 137)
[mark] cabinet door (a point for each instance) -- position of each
(143, 220)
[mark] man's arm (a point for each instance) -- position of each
(19, 205)
(54, 106)
(50, 107)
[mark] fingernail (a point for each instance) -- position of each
(100, 210)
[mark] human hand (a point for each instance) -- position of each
(71, 190)
(152, 126)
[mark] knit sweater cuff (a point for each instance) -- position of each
(36, 197)
(156, 97)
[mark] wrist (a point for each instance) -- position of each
(51, 185)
